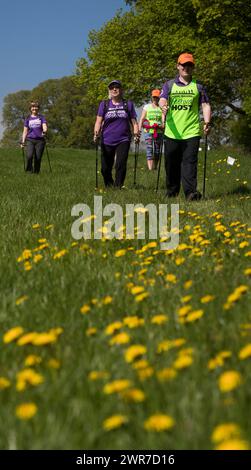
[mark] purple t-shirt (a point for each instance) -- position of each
(203, 98)
(34, 124)
(116, 124)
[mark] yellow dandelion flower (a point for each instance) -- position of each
(243, 244)
(28, 377)
(21, 300)
(117, 386)
(26, 410)
(180, 260)
(134, 351)
(159, 319)
(186, 299)
(12, 334)
(85, 309)
(27, 266)
(134, 395)
(54, 363)
(144, 374)
(247, 272)
(159, 423)
(110, 329)
(91, 331)
(140, 297)
(41, 339)
(188, 284)
(248, 253)
(59, 254)
(114, 422)
(37, 258)
(107, 300)
(186, 352)
(36, 226)
(98, 374)
(182, 362)
(229, 380)
(166, 374)
(120, 253)
(133, 321)
(245, 352)
(4, 383)
(27, 254)
(26, 339)
(137, 290)
(171, 278)
(207, 298)
(233, 444)
(141, 364)
(225, 431)
(121, 338)
(182, 311)
(195, 315)
(32, 360)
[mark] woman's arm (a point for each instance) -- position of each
(97, 127)
(135, 127)
(142, 118)
(25, 132)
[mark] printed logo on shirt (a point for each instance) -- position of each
(35, 123)
(118, 112)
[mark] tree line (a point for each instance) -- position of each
(140, 47)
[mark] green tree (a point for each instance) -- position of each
(64, 102)
(14, 112)
(141, 47)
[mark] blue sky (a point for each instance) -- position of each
(41, 40)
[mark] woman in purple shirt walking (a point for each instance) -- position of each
(115, 122)
(35, 128)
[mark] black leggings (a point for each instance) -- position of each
(181, 158)
(34, 147)
(107, 160)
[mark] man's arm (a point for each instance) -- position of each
(207, 113)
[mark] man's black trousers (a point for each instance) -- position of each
(108, 153)
(181, 158)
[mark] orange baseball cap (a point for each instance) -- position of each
(156, 93)
(186, 57)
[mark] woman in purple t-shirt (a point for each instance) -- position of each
(35, 128)
(115, 119)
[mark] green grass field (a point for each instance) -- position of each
(189, 371)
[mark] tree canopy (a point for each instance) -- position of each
(63, 101)
(141, 47)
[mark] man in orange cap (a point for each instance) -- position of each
(151, 122)
(181, 100)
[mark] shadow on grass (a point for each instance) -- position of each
(239, 190)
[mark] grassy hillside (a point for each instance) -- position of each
(159, 340)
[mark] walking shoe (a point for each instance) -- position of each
(196, 196)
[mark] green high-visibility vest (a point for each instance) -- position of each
(183, 121)
(154, 116)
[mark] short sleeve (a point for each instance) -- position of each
(131, 110)
(101, 109)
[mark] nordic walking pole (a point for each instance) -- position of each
(160, 157)
(136, 154)
(48, 157)
(22, 147)
(96, 143)
(205, 165)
